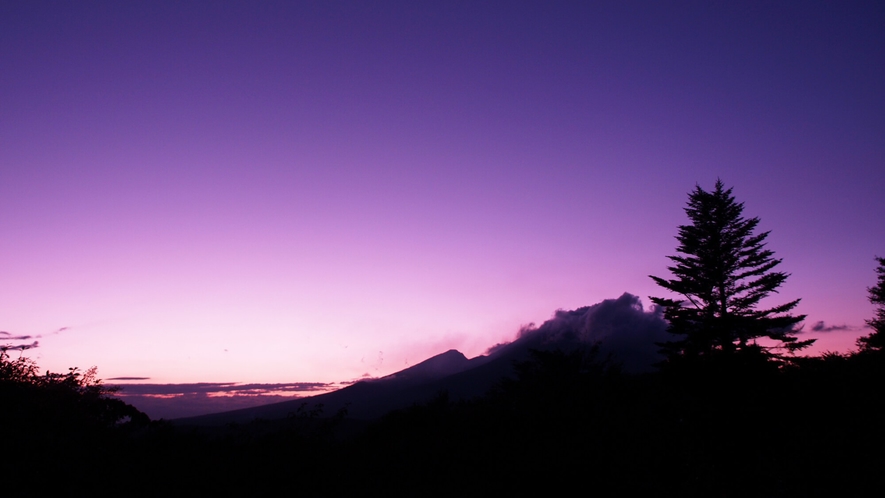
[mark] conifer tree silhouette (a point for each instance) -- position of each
(875, 341)
(723, 272)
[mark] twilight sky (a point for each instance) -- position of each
(311, 191)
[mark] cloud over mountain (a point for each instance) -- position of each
(621, 325)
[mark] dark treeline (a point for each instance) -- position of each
(809, 427)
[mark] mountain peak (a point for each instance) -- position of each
(448, 363)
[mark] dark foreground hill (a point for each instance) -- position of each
(566, 422)
(564, 419)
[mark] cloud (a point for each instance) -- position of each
(497, 347)
(20, 347)
(11, 337)
(621, 325)
(6, 336)
(823, 327)
(217, 388)
(188, 400)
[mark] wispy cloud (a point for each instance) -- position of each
(19, 347)
(823, 327)
(187, 400)
(219, 388)
(6, 336)
(10, 337)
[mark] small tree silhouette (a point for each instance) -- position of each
(723, 272)
(875, 341)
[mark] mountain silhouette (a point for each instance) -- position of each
(625, 330)
(367, 399)
(449, 372)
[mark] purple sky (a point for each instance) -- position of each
(312, 191)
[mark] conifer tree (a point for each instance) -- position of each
(876, 340)
(723, 271)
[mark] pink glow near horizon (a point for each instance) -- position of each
(227, 192)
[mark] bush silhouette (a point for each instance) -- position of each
(59, 405)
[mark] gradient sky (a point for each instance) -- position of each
(312, 191)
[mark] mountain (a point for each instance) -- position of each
(624, 329)
(451, 371)
(366, 399)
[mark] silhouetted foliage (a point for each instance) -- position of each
(75, 401)
(875, 341)
(61, 426)
(565, 418)
(724, 271)
(550, 373)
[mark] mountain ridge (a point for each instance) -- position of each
(620, 326)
